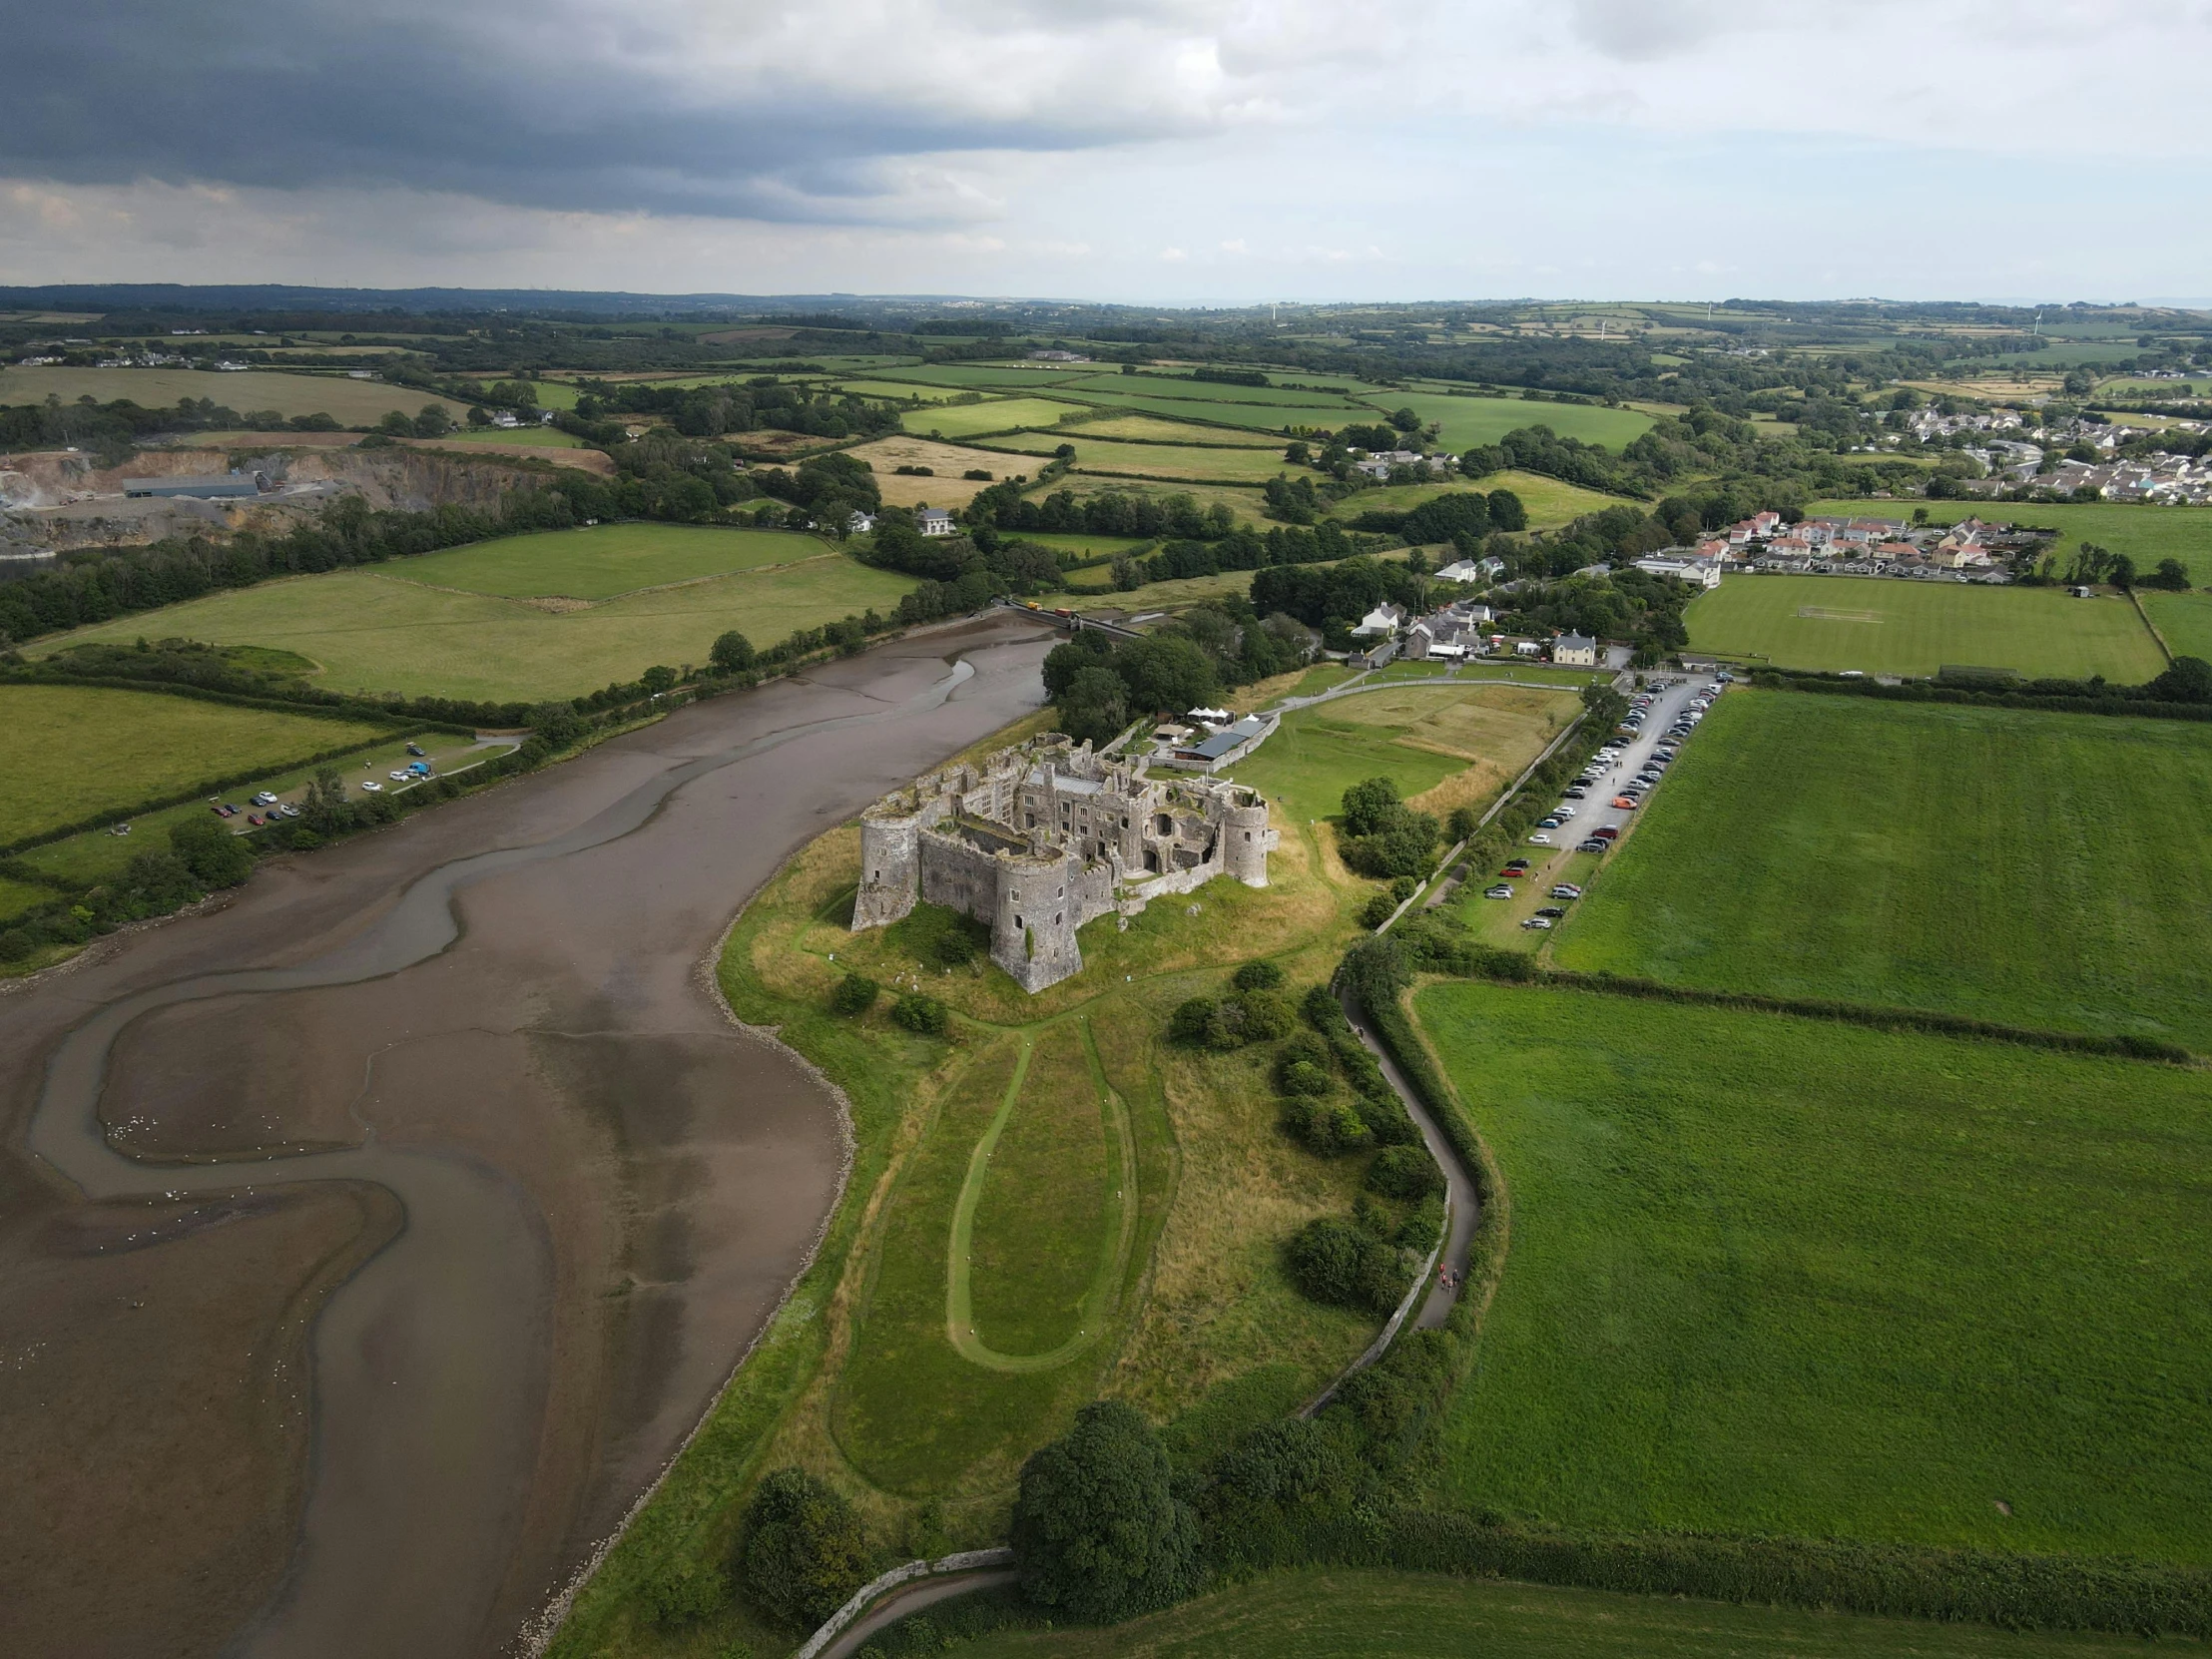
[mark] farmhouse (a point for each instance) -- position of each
(1381, 623)
(1043, 837)
(935, 521)
(1574, 650)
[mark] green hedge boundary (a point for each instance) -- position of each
(1927, 691)
(2019, 1592)
(1472, 961)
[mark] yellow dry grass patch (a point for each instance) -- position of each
(946, 460)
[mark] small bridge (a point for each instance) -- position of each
(1074, 620)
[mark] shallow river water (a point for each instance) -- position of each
(502, 1019)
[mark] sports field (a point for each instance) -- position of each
(1350, 1614)
(1000, 415)
(1473, 738)
(2144, 533)
(352, 402)
(2047, 870)
(1884, 625)
(1781, 1276)
(1467, 421)
(604, 560)
(380, 629)
(69, 752)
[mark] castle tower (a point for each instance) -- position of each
(891, 869)
(1034, 934)
(1245, 842)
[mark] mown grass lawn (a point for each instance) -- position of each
(604, 560)
(378, 629)
(2184, 619)
(1889, 625)
(2048, 870)
(1782, 1275)
(2144, 533)
(1344, 1614)
(1417, 734)
(69, 752)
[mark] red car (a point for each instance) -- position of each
(1608, 834)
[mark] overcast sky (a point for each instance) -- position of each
(1131, 150)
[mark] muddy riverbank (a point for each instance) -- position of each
(450, 1109)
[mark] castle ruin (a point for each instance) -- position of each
(1043, 837)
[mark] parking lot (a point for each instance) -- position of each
(1630, 769)
(388, 768)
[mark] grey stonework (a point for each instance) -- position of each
(1043, 837)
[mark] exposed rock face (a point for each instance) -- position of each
(57, 499)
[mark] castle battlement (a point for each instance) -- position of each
(1043, 837)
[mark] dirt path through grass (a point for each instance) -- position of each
(1118, 1235)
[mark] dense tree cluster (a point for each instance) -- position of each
(1184, 665)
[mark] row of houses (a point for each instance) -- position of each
(1457, 634)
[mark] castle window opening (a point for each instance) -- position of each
(1165, 825)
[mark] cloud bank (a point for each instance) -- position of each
(1016, 145)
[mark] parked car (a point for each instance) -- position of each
(1540, 838)
(1502, 890)
(1514, 867)
(1577, 795)
(254, 818)
(1535, 921)
(1594, 845)
(1552, 911)
(371, 785)
(398, 778)
(1566, 890)
(1551, 822)
(288, 809)
(1630, 802)
(416, 748)
(1562, 812)
(265, 798)
(1611, 832)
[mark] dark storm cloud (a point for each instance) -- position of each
(567, 106)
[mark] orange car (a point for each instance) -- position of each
(1626, 803)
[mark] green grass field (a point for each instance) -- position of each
(2049, 870)
(2184, 619)
(1206, 392)
(1549, 502)
(1883, 625)
(604, 560)
(69, 752)
(1467, 421)
(2144, 533)
(379, 630)
(1000, 415)
(1154, 429)
(1083, 543)
(1781, 1276)
(1217, 410)
(1159, 461)
(350, 403)
(1417, 734)
(1350, 1614)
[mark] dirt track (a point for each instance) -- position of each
(609, 1188)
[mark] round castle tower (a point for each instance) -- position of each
(1245, 842)
(891, 867)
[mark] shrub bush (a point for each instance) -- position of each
(1406, 1173)
(1258, 976)
(1260, 1016)
(1334, 1261)
(806, 1550)
(1098, 1532)
(1302, 1077)
(1378, 909)
(1327, 1127)
(921, 1013)
(218, 857)
(856, 995)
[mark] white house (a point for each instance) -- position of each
(1705, 572)
(1574, 650)
(1471, 570)
(1379, 623)
(935, 521)
(860, 524)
